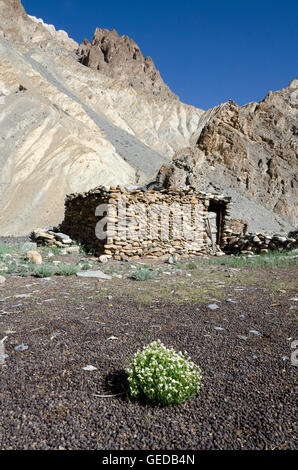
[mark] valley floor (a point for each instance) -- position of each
(48, 401)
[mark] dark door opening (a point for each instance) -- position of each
(214, 227)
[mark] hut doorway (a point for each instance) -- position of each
(214, 223)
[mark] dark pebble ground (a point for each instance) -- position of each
(248, 400)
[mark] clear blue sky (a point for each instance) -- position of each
(206, 51)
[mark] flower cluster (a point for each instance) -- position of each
(162, 375)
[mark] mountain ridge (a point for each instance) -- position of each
(75, 117)
(65, 128)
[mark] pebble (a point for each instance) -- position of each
(90, 368)
(21, 347)
(56, 335)
(245, 338)
(213, 306)
(172, 259)
(255, 332)
(2, 280)
(63, 238)
(93, 274)
(73, 249)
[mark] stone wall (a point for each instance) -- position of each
(239, 243)
(144, 231)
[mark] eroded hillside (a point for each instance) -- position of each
(67, 128)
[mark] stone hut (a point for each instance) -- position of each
(122, 223)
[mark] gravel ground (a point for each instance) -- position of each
(15, 241)
(248, 399)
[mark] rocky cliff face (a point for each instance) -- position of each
(120, 57)
(252, 149)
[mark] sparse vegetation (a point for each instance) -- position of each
(55, 250)
(44, 270)
(186, 266)
(11, 267)
(86, 266)
(271, 259)
(23, 272)
(143, 274)
(65, 269)
(6, 249)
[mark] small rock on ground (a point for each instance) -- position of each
(93, 274)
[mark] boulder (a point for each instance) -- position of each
(34, 257)
(63, 238)
(103, 259)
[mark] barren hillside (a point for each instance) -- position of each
(73, 117)
(67, 128)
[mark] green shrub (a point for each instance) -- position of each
(44, 270)
(65, 269)
(23, 272)
(141, 274)
(162, 376)
(86, 266)
(191, 266)
(11, 267)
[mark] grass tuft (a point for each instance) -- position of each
(44, 270)
(65, 269)
(142, 274)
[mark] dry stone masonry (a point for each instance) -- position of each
(241, 243)
(156, 222)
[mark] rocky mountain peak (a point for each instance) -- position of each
(120, 57)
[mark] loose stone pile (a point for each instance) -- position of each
(142, 234)
(259, 243)
(50, 237)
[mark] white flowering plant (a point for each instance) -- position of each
(162, 376)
